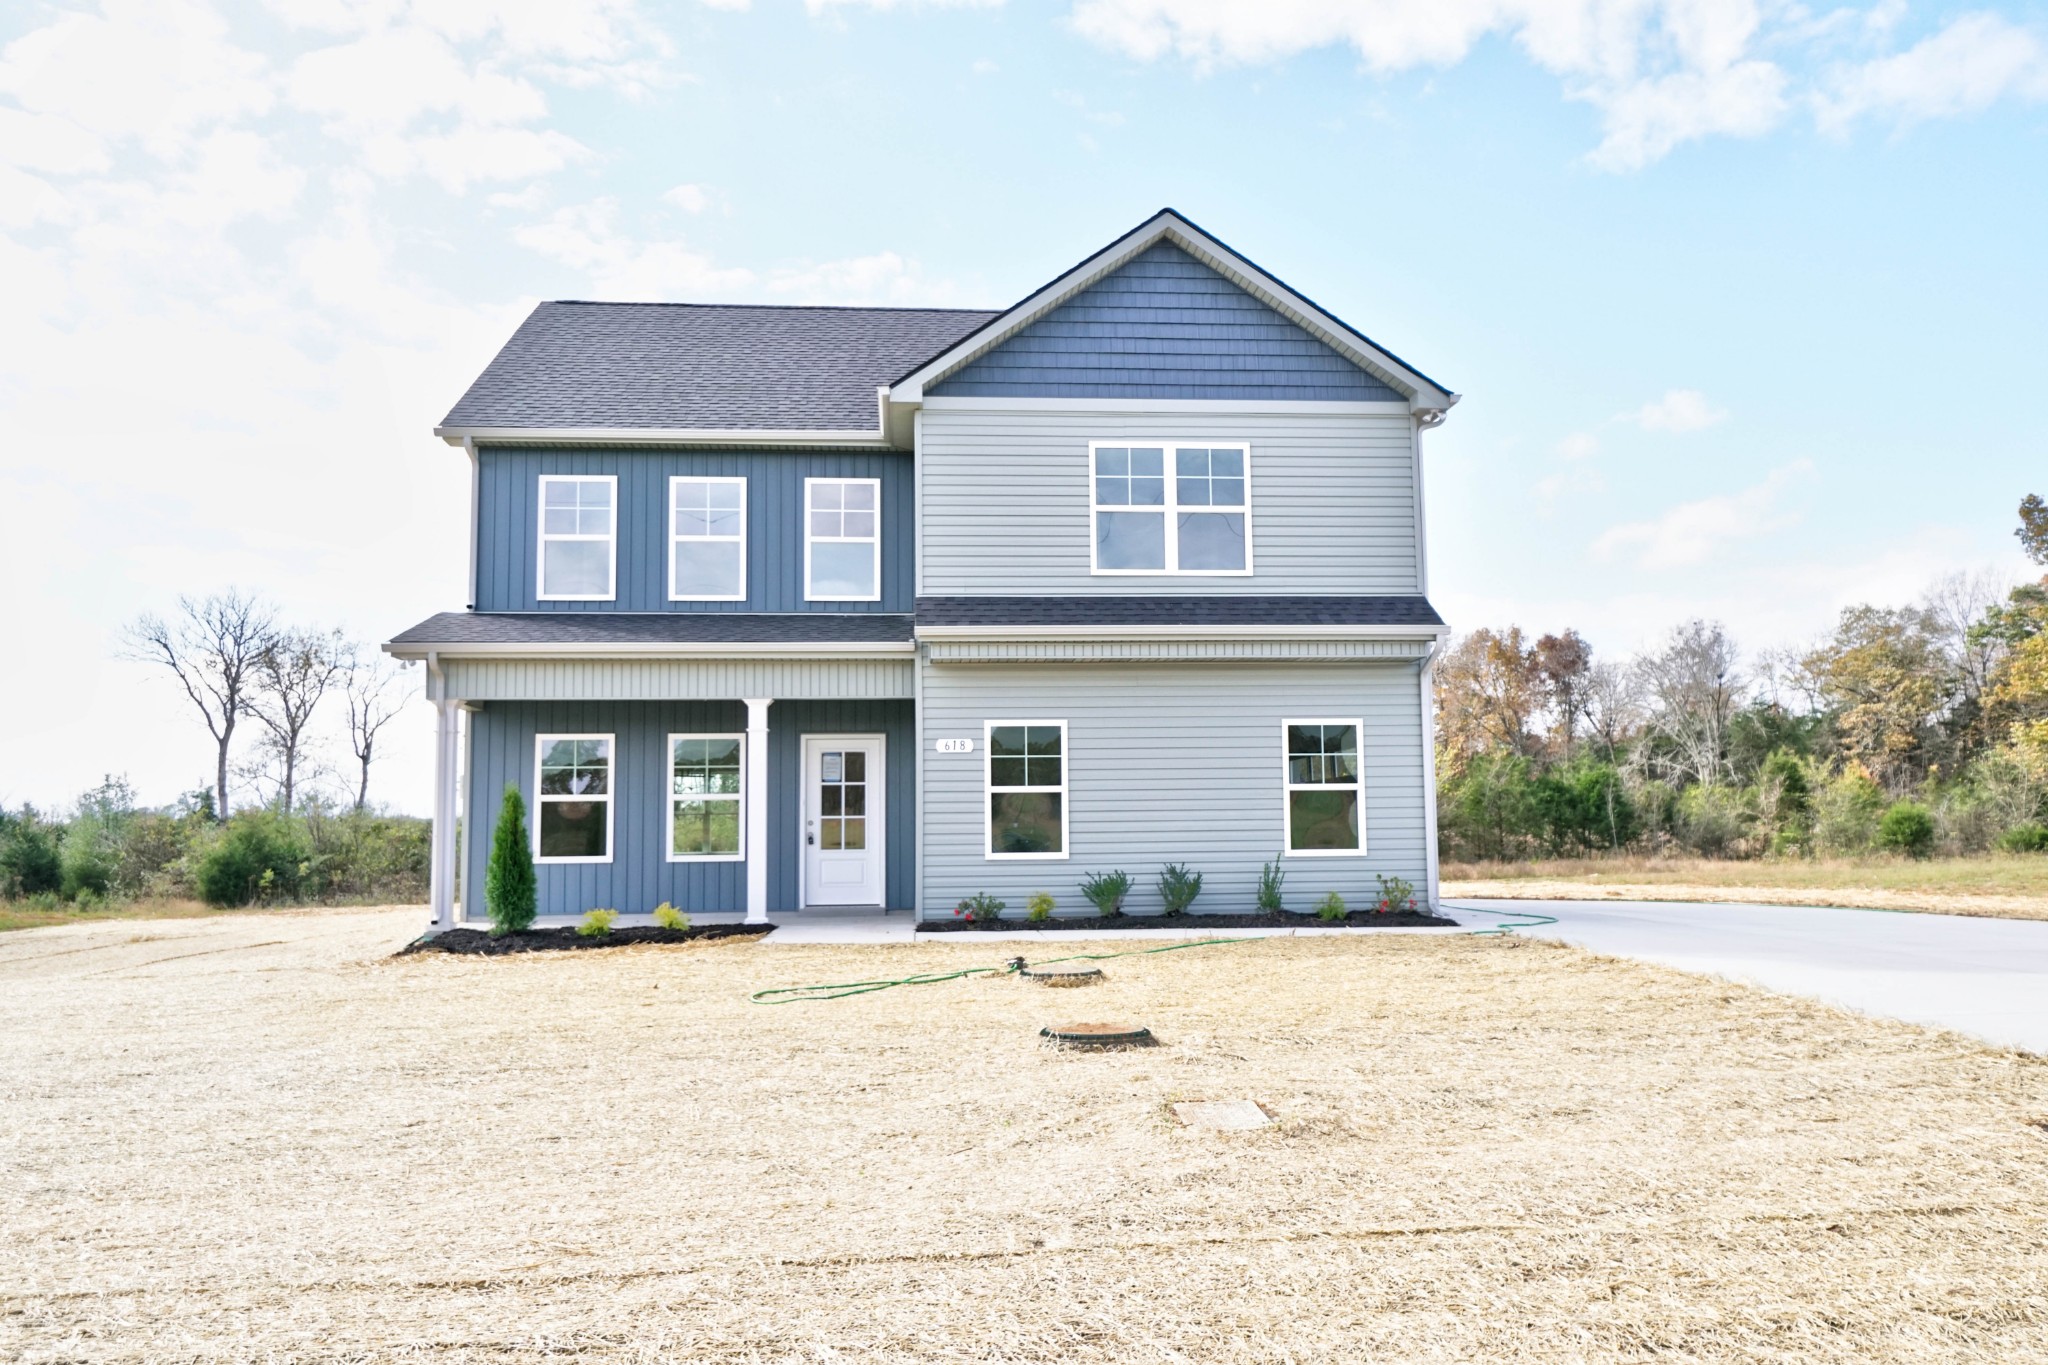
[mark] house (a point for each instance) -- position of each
(773, 608)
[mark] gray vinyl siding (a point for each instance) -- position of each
(1163, 326)
(677, 679)
(640, 877)
(508, 524)
(1173, 763)
(1006, 501)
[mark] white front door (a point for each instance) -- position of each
(843, 820)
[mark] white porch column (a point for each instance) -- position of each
(441, 868)
(757, 809)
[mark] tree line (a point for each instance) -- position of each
(1917, 729)
(282, 703)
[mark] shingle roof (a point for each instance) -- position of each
(692, 366)
(1230, 610)
(656, 628)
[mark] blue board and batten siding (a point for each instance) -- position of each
(508, 530)
(640, 876)
(1164, 326)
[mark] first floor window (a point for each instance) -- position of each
(1325, 786)
(705, 776)
(842, 540)
(1027, 789)
(572, 817)
(578, 545)
(707, 551)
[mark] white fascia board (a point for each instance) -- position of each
(660, 650)
(1219, 407)
(612, 436)
(1311, 632)
(1423, 395)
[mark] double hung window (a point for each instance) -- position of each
(707, 547)
(842, 540)
(1027, 789)
(1325, 786)
(578, 538)
(572, 812)
(705, 797)
(1165, 508)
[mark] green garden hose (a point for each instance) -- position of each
(790, 995)
(1530, 919)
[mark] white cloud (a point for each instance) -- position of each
(1966, 67)
(587, 237)
(48, 142)
(883, 278)
(825, 6)
(1694, 532)
(688, 198)
(1678, 411)
(1580, 445)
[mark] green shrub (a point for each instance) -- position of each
(980, 907)
(1846, 813)
(1040, 907)
(597, 923)
(1582, 806)
(1331, 907)
(666, 916)
(1106, 891)
(2026, 838)
(1907, 828)
(1178, 887)
(1713, 820)
(1270, 879)
(30, 863)
(1396, 894)
(510, 894)
(260, 855)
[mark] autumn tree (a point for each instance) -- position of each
(1487, 692)
(1562, 664)
(1884, 683)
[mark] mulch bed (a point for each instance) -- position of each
(478, 942)
(1093, 924)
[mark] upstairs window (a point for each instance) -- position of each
(842, 540)
(1171, 509)
(578, 538)
(1325, 786)
(707, 547)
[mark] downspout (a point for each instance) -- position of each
(1427, 675)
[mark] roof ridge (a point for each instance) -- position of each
(782, 307)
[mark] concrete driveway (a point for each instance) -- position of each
(1985, 977)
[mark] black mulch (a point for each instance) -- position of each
(1357, 919)
(477, 941)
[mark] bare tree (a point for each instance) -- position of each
(213, 646)
(1612, 704)
(1955, 605)
(292, 674)
(371, 687)
(1693, 690)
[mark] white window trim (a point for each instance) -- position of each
(1171, 509)
(540, 554)
(875, 545)
(611, 846)
(1288, 787)
(740, 539)
(988, 795)
(739, 801)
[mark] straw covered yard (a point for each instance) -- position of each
(264, 1138)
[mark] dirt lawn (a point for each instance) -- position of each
(260, 1138)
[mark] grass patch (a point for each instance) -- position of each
(29, 915)
(1483, 1149)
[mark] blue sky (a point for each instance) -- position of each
(1749, 301)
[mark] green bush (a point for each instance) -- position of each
(1906, 828)
(260, 855)
(1270, 880)
(1106, 891)
(510, 894)
(1331, 907)
(30, 861)
(1846, 813)
(1581, 807)
(666, 916)
(1178, 887)
(1396, 893)
(980, 907)
(1040, 907)
(2027, 838)
(1713, 820)
(597, 923)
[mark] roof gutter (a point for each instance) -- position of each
(864, 649)
(656, 436)
(1182, 632)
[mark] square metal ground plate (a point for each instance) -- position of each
(1229, 1116)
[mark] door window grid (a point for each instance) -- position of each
(572, 817)
(707, 552)
(707, 798)
(1026, 782)
(578, 538)
(1325, 786)
(842, 799)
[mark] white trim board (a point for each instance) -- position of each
(1204, 407)
(665, 650)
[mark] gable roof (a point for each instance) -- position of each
(584, 369)
(1168, 225)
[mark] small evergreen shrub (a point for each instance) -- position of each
(1396, 893)
(2025, 838)
(30, 864)
(1331, 907)
(597, 923)
(980, 907)
(1106, 891)
(510, 895)
(1906, 828)
(1178, 887)
(261, 855)
(1270, 878)
(666, 916)
(1040, 907)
